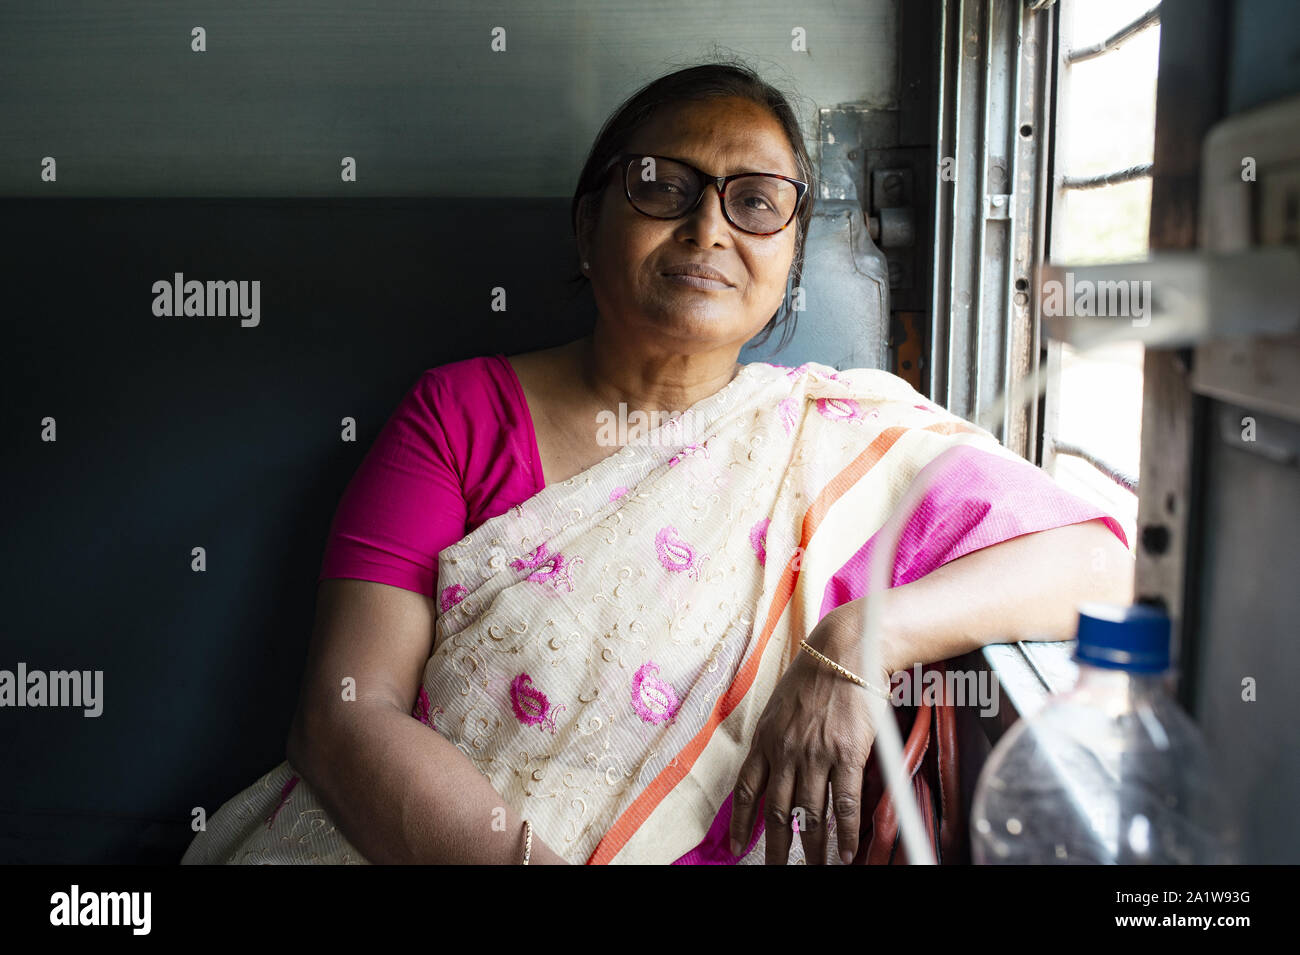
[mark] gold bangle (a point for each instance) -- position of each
(884, 694)
(528, 841)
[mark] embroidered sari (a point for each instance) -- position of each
(603, 651)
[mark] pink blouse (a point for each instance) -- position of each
(459, 449)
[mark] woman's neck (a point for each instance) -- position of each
(658, 383)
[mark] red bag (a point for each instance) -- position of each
(930, 757)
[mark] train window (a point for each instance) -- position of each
(1101, 204)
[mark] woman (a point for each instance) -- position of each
(603, 626)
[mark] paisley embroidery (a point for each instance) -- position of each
(674, 553)
(536, 558)
(839, 409)
(452, 596)
(421, 711)
(788, 411)
(530, 704)
(557, 570)
(284, 798)
(686, 452)
(807, 367)
(654, 700)
(758, 539)
(550, 567)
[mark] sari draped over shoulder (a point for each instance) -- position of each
(603, 651)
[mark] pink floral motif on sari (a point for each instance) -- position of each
(654, 700)
(530, 704)
(839, 409)
(758, 539)
(422, 711)
(558, 570)
(788, 411)
(548, 567)
(284, 798)
(451, 596)
(806, 366)
(674, 553)
(686, 452)
(536, 558)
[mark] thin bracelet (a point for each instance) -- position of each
(803, 645)
(528, 841)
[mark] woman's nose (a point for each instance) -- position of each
(706, 222)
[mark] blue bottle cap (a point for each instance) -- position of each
(1134, 638)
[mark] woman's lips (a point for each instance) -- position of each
(697, 281)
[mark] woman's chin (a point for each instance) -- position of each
(698, 324)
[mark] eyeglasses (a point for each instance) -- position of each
(664, 188)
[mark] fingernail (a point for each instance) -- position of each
(846, 857)
(737, 849)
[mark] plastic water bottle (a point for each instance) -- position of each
(1112, 771)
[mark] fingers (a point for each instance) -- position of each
(810, 811)
(750, 782)
(776, 814)
(873, 790)
(846, 802)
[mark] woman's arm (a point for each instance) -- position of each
(817, 726)
(1025, 588)
(397, 790)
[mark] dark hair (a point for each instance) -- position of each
(706, 81)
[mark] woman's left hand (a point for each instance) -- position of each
(817, 728)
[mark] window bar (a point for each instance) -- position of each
(1150, 18)
(1122, 478)
(945, 204)
(1139, 171)
(1045, 131)
(982, 189)
(1008, 312)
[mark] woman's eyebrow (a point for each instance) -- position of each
(745, 167)
(763, 166)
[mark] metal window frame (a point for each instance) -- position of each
(996, 62)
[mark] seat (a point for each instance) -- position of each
(846, 282)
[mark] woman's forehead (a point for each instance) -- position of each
(723, 137)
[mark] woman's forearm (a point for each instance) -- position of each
(403, 794)
(1025, 588)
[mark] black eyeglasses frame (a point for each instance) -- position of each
(720, 183)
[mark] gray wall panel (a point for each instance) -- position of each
(412, 90)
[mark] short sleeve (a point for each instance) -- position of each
(973, 499)
(405, 502)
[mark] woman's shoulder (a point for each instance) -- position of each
(465, 371)
(874, 383)
(468, 385)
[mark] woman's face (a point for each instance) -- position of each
(629, 252)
